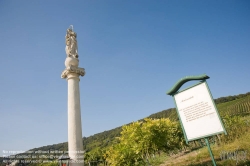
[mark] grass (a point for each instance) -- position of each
(230, 154)
(158, 159)
(234, 153)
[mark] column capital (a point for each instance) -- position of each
(72, 70)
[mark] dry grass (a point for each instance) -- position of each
(239, 150)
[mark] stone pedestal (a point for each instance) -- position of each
(75, 144)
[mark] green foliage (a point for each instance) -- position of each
(49, 164)
(96, 155)
(101, 140)
(235, 127)
(169, 113)
(231, 109)
(241, 107)
(141, 139)
(230, 98)
(60, 147)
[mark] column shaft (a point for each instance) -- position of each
(75, 143)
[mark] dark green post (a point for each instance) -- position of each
(210, 152)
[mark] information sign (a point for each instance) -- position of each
(197, 112)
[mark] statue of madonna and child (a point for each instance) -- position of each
(71, 43)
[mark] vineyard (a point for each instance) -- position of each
(158, 139)
(138, 145)
(239, 108)
(236, 107)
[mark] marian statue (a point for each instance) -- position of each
(71, 43)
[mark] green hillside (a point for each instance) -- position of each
(238, 105)
(225, 105)
(231, 105)
(106, 138)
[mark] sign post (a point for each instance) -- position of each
(197, 111)
(210, 152)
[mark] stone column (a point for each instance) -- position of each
(72, 73)
(75, 144)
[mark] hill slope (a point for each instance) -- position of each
(232, 105)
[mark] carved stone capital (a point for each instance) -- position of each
(72, 69)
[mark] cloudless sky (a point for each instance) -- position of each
(133, 51)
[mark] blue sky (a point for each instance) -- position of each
(132, 51)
